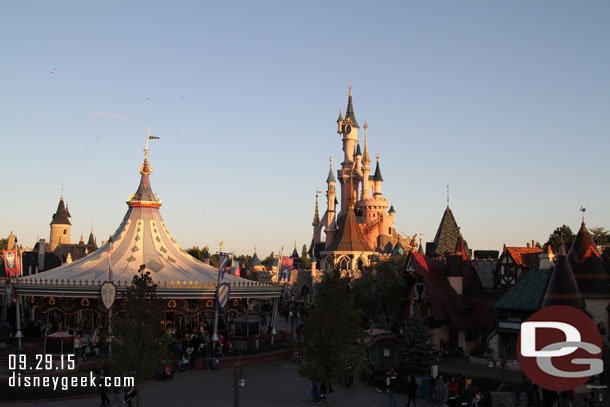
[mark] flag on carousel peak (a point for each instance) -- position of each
(286, 268)
(222, 265)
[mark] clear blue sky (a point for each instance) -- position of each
(506, 101)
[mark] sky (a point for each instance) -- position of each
(506, 102)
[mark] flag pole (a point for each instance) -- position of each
(215, 332)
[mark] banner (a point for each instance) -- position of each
(222, 265)
(12, 263)
(235, 268)
(286, 268)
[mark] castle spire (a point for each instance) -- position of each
(377, 176)
(340, 118)
(349, 112)
(366, 158)
(331, 176)
(316, 216)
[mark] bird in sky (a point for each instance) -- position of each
(53, 70)
(147, 99)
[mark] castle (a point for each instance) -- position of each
(349, 236)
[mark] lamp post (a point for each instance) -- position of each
(292, 316)
(239, 381)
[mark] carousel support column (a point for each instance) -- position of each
(215, 334)
(18, 334)
(273, 318)
(109, 339)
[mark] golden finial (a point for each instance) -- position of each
(366, 126)
(254, 249)
(350, 86)
(295, 244)
(377, 156)
(145, 168)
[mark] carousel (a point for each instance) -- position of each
(82, 295)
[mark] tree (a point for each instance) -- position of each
(141, 343)
(600, 235)
(197, 253)
(418, 348)
(381, 296)
(331, 330)
(305, 257)
(561, 235)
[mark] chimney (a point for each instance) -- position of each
(527, 245)
(41, 253)
(533, 244)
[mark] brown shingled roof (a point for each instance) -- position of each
(349, 238)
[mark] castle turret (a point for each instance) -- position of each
(340, 122)
(60, 226)
(330, 204)
(377, 180)
(366, 167)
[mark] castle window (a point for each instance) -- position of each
(65, 231)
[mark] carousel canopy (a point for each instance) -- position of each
(142, 238)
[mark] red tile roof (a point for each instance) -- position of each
(525, 256)
(462, 311)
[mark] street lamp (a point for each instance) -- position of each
(240, 381)
(292, 317)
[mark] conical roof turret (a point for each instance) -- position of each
(563, 288)
(349, 113)
(91, 241)
(60, 217)
(377, 176)
(587, 264)
(340, 118)
(331, 176)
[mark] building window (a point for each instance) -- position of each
(65, 231)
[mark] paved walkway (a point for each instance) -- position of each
(273, 385)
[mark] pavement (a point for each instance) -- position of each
(277, 384)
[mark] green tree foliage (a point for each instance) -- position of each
(141, 344)
(600, 235)
(418, 348)
(381, 295)
(561, 234)
(305, 257)
(197, 253)
(332, 327)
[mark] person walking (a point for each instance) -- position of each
(411, 391)
(391, 387)
(440, 392)
(103, 389)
